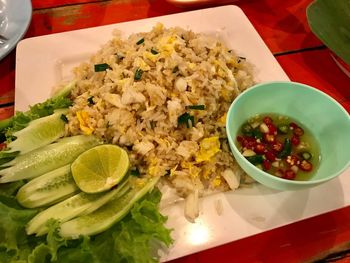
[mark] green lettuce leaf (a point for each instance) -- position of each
(134, 239)
(21, 119)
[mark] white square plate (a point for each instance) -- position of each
(44, 61)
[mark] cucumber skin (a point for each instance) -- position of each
(107, 215)
(68, 209)
(47, 158)
(38, 133)
(48, 188)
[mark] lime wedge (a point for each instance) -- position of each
(100, 168)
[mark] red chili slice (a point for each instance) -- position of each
(249, 142)
(270, 156)
(272, 129)
(295, 140)
(305, 166)
(298, 131)
(277, 146)
(289, 174)
(259, 148)
(293, 125)
(266, 165)
(267, 120)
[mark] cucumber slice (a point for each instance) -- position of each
(76, 205)
(109, 214)
(38, 133)
(48, 188)
(47, 158)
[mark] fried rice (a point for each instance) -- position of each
(163, 96)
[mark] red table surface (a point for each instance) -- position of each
(283, 27)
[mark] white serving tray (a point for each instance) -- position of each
(44, 61)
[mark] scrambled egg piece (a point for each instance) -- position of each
(216, 181)
(208, 148)
(167, 44)
(191, 65)
(153, 168)
(150, 56)
(193, 170)
(140, 63)
(222, 119)
(83, 118)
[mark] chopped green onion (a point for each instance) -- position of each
(240, 59)
(138, 74)
(135, 172)
(140, 41)
(2, 137)
(255, 159)
(196, 107)
(283, 129)
(64, 118)
(185, 119)
(247, 129)
(257, 134)
(175, 69)
(153, 124)
(287, 149)
(154, 52)
(91, 100)
(102, 67)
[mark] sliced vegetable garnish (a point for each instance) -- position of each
(48, 189)
(186, 118)
(135, 172)
(109, 214)
(38, 133)
(305, 155)
(247, 129)
(47, 158)
(283, 128)
(240, 59)
(140, 41)
(138, 74)
(256, 159)
(101, 67)
(287, 148)
(18, 122)
(76, 205)
(196, 107)
(91, 100)
(154, 52)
